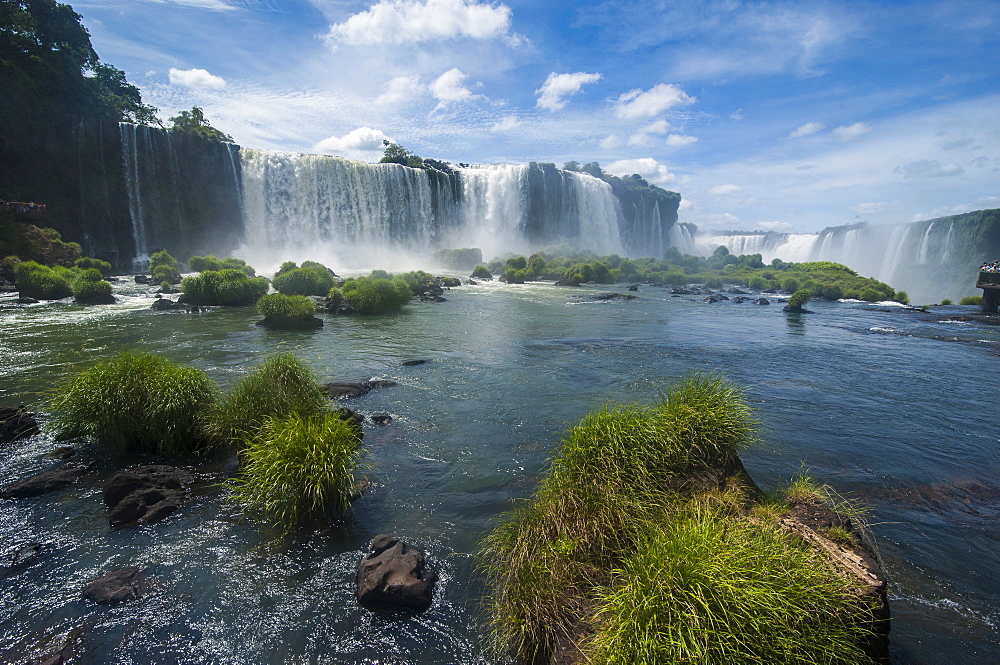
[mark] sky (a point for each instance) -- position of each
(769, 115)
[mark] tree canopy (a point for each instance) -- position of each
(194, 121)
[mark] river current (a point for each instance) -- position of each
(892, 407)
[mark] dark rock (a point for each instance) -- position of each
(413, 363)
(567, 282)
(633, 287)
(165, 305)
(796, 309)
(737, 291)
(439, 299)
(62, 452)
(739, 300)
(143, 279)
(16, 422)
(25, 300)
(47, 481)
(338, 389)
(118, 586)
(712, 299)
(395, 575)
(97, 299)
(472, 283)
(381, 419)
(306, 322)
(194, 309)
(762, 301)
(449, 281)
(21, 556)
(146, 494)
(352, 418)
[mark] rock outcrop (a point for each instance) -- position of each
(395, 575)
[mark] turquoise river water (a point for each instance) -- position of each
(891, 406)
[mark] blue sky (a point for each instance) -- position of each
(788, 116)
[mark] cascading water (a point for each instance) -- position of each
(351, 213)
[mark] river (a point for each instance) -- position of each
(893, 407)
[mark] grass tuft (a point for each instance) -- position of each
(136, 401)
(280, 386)
(298, 469)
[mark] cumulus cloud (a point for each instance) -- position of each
(872, 207)
(217, 5)
(410, 21)
(647, 167)
(778, 227)
(928, 168)
(806, 130)
(727, 189)
(506, 124)
(677, 140)
(361, 143)
(557, 87)
(400, 90)
(848, 132)
(646, 104)
(448, 88)
(196, 78)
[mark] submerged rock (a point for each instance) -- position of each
(166, 305)
(16, 422)
(305, 322)
(395, 574)
(338, 389)
(58, 478)
(146, 494)
(118, 586)
(413, 363)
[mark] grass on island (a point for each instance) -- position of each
(373, 295)
(311, 279)
(279, 387)
(298, 469)
(228, 286)
(136, 401)
(615, 553)
(281, 308)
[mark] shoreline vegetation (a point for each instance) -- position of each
(647, 542)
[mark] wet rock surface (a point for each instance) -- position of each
(118, 586)
(146, 494)
(355, 388)
(395, 575)
(16, 422)
(58, 478)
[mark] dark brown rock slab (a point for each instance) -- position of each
(58, 478)
(395, 575)
(146, 494)
(118, 586)
(337, 389)
(16, 422)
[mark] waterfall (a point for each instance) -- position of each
(681, 237)
(924, 245)
(355, 214)
(133, 186)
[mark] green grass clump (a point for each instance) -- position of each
(376, 296)
(298, 468)
(800, 298)
(311, 279)
(612, 469)
(135, 401)
(280, 386)
(482, 272)
(972, 300)
(223, 287)
(90, 287)
(87, 262)
(279, 307)
(702, 587)
(164, 268)
(34, 280)
(203, 263)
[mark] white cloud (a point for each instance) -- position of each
(410, 21)
(196, 78)
(506, 124)
(643, 136)
(610, 142)
(218, 5)
(928, 168)
(778, 227)
(806, 130)
(727, 189)
(646, 104)
(848, 132)
(873, 207)
(448, 88)
(552, 95)
(400, 90)
(647, 167)
(678, 140)
(363, 143)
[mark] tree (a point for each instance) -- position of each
(397, 154)
(194, 121)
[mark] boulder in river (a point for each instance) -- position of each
(146, 494)
(395, 574)
(16, 422)
(337, 389)
(118, 586)
(51, 480)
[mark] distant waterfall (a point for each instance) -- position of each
(309, 206)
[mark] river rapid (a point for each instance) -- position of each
(890, 406)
